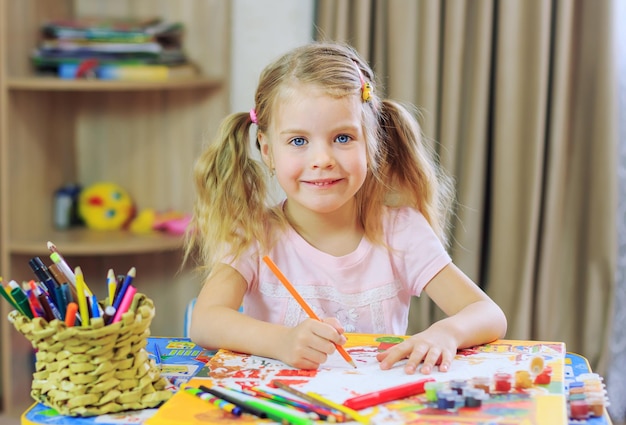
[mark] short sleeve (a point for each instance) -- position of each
(418, 254)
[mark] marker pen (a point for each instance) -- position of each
(44, 276)
(388, 394)
(20, 299)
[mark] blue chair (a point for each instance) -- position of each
(187, 321)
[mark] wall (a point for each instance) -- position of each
(262, 31)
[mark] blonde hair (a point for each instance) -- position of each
(231, 210)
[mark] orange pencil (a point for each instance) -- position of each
(302, 303)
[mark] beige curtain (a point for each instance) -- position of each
(519, 98)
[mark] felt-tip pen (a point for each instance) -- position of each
(388, 394)
(20, 299)
(44, 276)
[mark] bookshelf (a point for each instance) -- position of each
(144, 136)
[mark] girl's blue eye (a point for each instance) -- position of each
(342, 138)
(298, 141)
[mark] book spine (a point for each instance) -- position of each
(133, 73)
(120, 72)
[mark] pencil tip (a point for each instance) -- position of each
(50, 245)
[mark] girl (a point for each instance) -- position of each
(361, 230)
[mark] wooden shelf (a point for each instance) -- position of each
(57, 84)
(85, 242)
(143, 135)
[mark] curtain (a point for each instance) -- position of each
(518, 98)
(617, 368)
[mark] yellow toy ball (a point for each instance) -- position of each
(105, 206)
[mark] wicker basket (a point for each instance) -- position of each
(98, 369)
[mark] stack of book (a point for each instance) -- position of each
(112, 48)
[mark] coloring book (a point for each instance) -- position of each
(337, 381)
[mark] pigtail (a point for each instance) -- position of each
(409, 168)
(229, 212)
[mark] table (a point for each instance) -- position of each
(38, 414)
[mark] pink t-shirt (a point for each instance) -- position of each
(368, 290)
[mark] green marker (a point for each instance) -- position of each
(22, 302)
(7, 297)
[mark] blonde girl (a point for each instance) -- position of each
(361, 229)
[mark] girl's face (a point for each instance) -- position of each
(317, 148)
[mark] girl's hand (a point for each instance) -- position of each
(432, 346)
(309, 344)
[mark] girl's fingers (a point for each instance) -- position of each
(430, 360)
(446, 360)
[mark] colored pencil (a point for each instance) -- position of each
(59, 260)
(341, 417)
(111, 286)
(321, 413)
(129, 294)
(122, 290)
(82, 301)
(216, 401)
(303, 303)
(349, 412)
(273, 411)
(231, 397)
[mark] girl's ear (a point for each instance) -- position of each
(265, 150)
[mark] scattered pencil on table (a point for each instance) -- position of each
(351, 413)
(274, 268)
(216, 401)
(262, 408)
(340, 416)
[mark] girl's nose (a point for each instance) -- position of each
(322, 156)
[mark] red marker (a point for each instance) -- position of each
(388, 394)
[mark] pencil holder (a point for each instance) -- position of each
(97, 369)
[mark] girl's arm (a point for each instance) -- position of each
(217, 323)
(473, 319)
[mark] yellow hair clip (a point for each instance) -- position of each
(366, 91)
(366, 87)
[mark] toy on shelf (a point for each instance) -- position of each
(108, 206)
(149, 220)
(105, 206)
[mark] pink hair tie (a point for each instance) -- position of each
(253, 116)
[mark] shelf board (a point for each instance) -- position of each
(57, 84)
(84, 242)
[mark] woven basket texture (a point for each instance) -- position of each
(97, 369)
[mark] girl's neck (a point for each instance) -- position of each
(338, 233)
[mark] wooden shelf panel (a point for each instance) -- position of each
(84, 242)
(57, 84)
